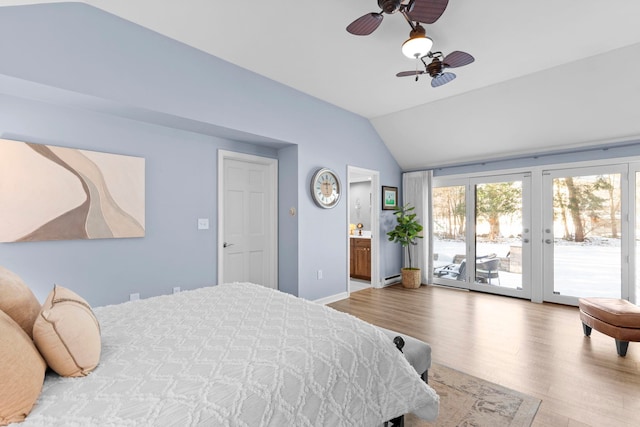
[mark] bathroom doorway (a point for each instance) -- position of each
(363, 227)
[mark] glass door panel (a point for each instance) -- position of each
(449, 235)
(582, 237)
(499, 229)
(484, 220)
(502, 235)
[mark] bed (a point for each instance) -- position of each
(235, 355)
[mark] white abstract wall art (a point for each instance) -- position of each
(56, 193)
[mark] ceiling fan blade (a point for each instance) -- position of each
(457, 59)
(366, 24)
(427, 11)
(409, 73)
(442, 79)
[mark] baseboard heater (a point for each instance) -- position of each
(391, 280)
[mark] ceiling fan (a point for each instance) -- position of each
(436, 67)
(414, 12)
(424, 11)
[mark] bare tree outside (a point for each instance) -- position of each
(610, 184)
(575, 208)
(449, 211)
(587, 206)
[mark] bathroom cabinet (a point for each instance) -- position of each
(360, 264)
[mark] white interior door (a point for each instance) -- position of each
(247, 219)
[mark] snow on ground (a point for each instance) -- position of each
(580, 269)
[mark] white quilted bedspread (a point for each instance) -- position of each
(236, 355)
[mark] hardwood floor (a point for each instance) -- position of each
(538, 349)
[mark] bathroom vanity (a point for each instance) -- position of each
(360, 256)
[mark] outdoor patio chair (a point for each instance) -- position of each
(487, 269)
(452, 271)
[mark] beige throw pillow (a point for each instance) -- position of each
(21, 372)
(17, 300)
(68, 334)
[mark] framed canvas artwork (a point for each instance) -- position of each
(57, 193)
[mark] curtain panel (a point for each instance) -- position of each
(416, 191)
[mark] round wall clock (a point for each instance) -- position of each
(325, 188)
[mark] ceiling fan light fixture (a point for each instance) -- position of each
(418, 44)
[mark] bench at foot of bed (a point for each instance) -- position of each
(418, 354)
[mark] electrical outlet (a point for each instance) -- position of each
(176, 289)
(319, 274)
(134, 297)
(203, 223)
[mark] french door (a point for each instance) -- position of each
(585, 239)
(576, 234)
(482, 233)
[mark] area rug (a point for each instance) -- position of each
(467, 401)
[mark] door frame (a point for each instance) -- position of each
(632, 273)
(547, 224)
(375, 223)
(469, 182)
(526, 290)
(272, 180)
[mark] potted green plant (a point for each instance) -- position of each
(406, 232)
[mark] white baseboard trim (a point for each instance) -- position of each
(332, 298)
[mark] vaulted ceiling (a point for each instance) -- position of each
(548, 75)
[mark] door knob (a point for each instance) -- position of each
(548, 241)
(526, 240)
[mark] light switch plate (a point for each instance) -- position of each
(203, 223)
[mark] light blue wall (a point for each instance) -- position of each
(288, 222)
(181, 185)
(73, 75)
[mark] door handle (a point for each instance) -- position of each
(548, 241)
(526, 240)
(226, 245)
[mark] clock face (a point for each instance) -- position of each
(325, 188)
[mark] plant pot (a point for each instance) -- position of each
(411, 278)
